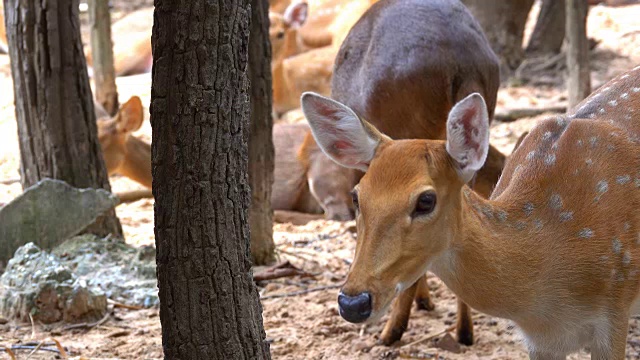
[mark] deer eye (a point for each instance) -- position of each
(425, 204)
(354, 198)
(280, 35)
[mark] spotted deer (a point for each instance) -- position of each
(405, 82)
(556, 248)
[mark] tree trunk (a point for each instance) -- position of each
(579, 81)
(104, 75)
(261, 153)
(54, 105)
(548, 34)
(503, 23)
(209, 305)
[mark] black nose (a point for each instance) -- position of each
(355, 309)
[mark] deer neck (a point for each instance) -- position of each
(487, 247)
(137, 162)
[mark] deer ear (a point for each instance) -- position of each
(468, 135)
(296, 14)
(342, 136)
(130, 115)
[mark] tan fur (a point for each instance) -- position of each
(302, 59)
(124, 153)
(567, 281)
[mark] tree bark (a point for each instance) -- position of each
(209, 305)
(104, 75)
(53, 101)
(579, 74)
(548, 34)
(503, 23)
(261, 153)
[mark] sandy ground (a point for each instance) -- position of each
(308, 325)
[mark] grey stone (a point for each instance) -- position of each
(126, 274)
(37, 283)
(48, 213)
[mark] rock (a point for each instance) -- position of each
(448, 343)
(124, 273)
(48, 213)
(37, 283)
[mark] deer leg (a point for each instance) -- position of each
(423, 298)
(614, 346)
(399, 319)
(464, 324)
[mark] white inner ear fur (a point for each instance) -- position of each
(468, 135)
(339, 132)
(295, 14)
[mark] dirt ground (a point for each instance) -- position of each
(308, 325)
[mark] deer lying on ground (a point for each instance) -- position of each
(305, 181)
(405, 82)
(556, 249)
(305, 46)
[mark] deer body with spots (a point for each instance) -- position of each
(556, 248)
(402, 67)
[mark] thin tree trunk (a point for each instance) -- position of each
(261, 153)
(548, 34)
(53, 101)
(579, 81)
(503, 23)
(104, 75)
(209, 305)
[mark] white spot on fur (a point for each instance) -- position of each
(579, 142)
(626, 258)
(589, 162)
(586, 233)
(601, 111)
(528, 208)
(550, 159)
(537, 224)
(616, 245)
(610, 147)
(601, 187)
(593, 141)
(613, 102)
(547, 135)
(561, 121)
(635, 89)
(624, 96)
(555, 202)
(626, 226)
(566, 216)
(502, 215)
(531, 155)
(623, 179)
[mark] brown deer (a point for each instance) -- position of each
(405, 82)
(556, 249)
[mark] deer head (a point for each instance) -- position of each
(408, 203)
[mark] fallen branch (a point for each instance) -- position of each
(124, 306)
(510, 115)
(9, 181)
(134, 195)
(430, 337)
(301, 292)
(285, 269)
(88, 325)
